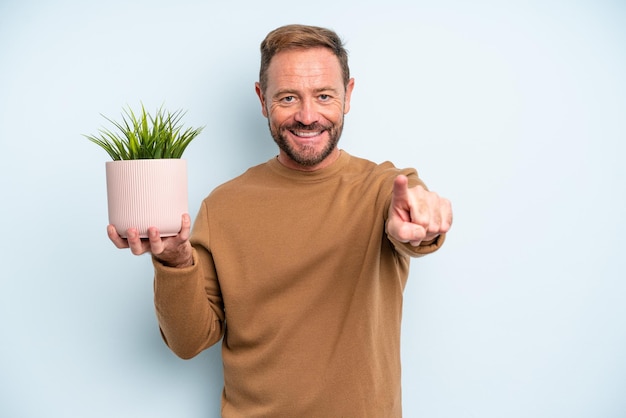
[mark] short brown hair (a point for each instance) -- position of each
(301, 37)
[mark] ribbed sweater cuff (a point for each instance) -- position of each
(162, 270)
(424, 248)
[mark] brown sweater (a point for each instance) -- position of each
(295, 270)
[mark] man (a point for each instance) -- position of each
(299, 263)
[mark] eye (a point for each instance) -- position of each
(288, 99)
(324, 97)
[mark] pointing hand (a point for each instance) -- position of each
(416, 214)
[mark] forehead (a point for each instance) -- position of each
(304, 67)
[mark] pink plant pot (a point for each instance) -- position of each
(145, 193)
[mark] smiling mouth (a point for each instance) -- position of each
(306, 134)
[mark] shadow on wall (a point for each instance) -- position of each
(252, 139)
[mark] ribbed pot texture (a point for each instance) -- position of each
(145, 193)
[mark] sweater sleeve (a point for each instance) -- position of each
(426, 247)
(188, 301)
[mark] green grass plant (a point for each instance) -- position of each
(144, 136)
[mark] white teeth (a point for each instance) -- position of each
(306, 134)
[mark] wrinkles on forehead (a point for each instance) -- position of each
(314, 70)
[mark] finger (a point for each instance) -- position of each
(400, 205)
(154, 239)
(433, 206)
(116, 238)
(441, 218)
(185, 227)
(406, 231)
(446, 215)
(158, 245)
(401, 189)
(421, 207)
(136, 245)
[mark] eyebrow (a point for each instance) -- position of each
(295, 92)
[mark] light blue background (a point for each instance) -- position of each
(514, 110)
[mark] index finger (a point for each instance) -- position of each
(400, 194)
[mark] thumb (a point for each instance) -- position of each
(405, 231)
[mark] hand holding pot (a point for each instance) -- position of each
(171, 251)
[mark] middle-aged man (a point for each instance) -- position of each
(300, 263)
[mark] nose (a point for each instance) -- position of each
(307, 113)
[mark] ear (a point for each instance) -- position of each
(349, 88)
(259, 92)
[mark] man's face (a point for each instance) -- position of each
(305, 101)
